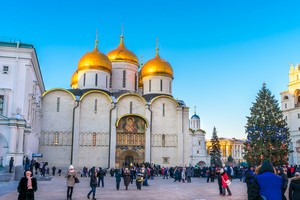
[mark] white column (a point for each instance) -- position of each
(13, 140)
(20, 140)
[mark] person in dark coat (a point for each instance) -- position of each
(219, 178)
(118, 178)
(127, 179)
(27, 186)
(249, 176)
(266, 184)
(294, 187)
(139, 178)
(11, 164)
(93, 182)
(189, 174)
(285, 181)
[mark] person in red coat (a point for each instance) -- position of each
(225, 186)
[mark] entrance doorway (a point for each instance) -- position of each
(128, 160)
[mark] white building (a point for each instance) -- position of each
(116, 114)
(21, 86)
(290, 106)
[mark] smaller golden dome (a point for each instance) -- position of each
(157, 66)
(74, 80)
(95, 60)
(122, 54)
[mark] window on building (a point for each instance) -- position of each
(163, 113)
(170, 86)
(199, 142)
(110, 81)
(149, 85)
(56, 139)
(298, 115)
(84, 76)
(163, 140)
(135, 82)
(94, 139)
(285, 98)
(96, 79)
(124, 78)
(130, 107)
(161, 84)
(5, 69)
(96, 106)
(1, 104)
(285, 106)
(57, 104)
(285, 118)
(197, 151)
(166, 160)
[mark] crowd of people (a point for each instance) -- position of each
(263, 181)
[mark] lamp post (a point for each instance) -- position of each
(73, 124)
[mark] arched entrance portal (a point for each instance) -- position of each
(3, 149)
(130, 144)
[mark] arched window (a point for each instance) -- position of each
(285, 98)
(1, 104)
(149, 85)
(84, 76)
(56, 139)
(135, 82)
(124, 78)
(163, 140)
(170, 86)
(110, 81)
(96, 79)
(163, 113)
(94, 139)
(130, 107)
(57, 104)
(161, 85)
(96, 106)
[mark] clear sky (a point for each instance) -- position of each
(221, 51)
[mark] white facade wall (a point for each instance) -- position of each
(166, 125)
(131, 78)
(155, 87)
(21, 87)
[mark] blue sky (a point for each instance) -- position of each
(221, 51)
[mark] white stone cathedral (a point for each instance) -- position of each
(290, 106)
(117, 113)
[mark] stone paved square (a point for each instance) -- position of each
(162, 189)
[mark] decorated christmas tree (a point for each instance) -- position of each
(267, 132)
(215, 152)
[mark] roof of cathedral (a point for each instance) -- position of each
(15, 44)
(80, 92)
(122, 54)
(157, 67)
(195, 116)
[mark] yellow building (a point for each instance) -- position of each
(233, 147)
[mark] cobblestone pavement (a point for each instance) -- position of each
(162, 189)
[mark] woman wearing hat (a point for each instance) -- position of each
(27, 186)
(71, 174)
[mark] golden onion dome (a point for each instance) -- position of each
(122, 54)
(95, 60)
(157, 66)
(74, 80)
